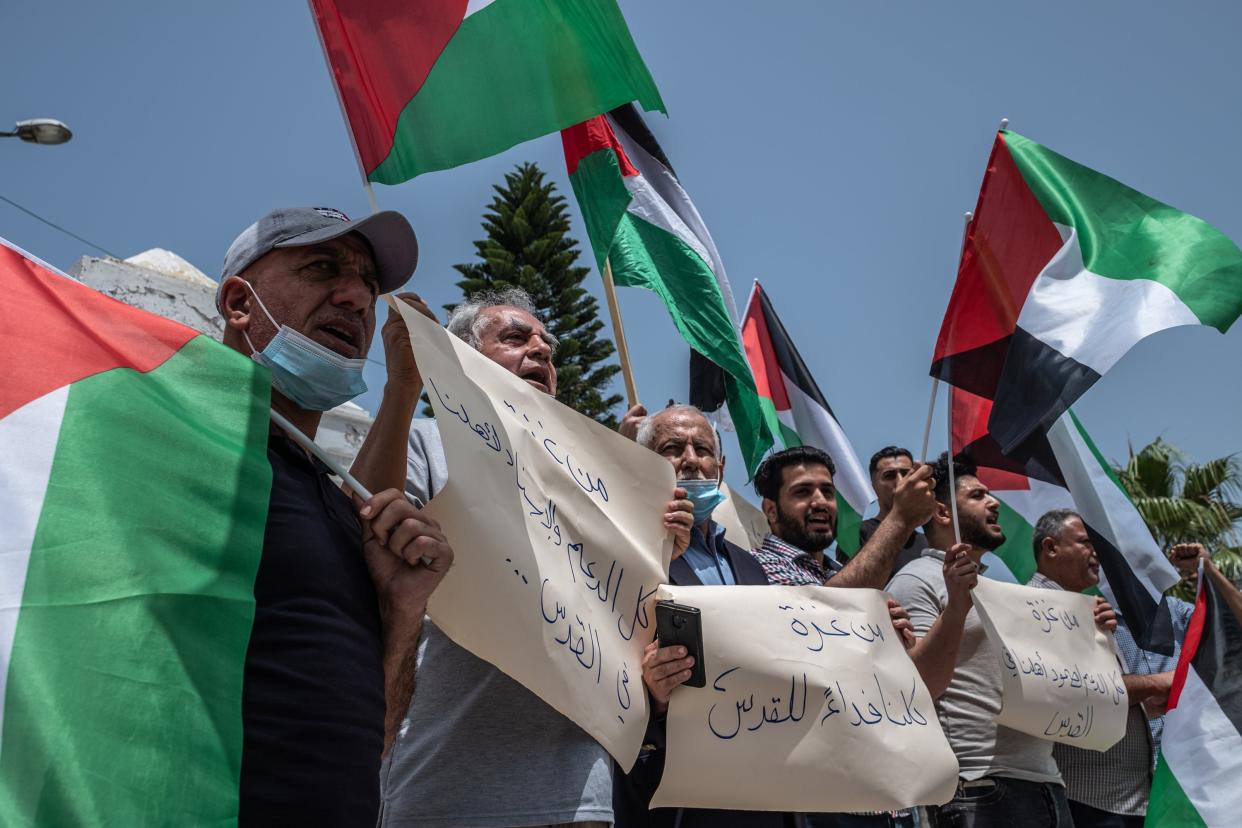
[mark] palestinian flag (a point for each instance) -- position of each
(1062, 272)
(433, 84)
(796, 410)
(641, 221)
(1065, 470)
(133, 494)
(1196, 780)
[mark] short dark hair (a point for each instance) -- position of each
(771, 471)
(887, 452)
(940, 470)
(1050, 525)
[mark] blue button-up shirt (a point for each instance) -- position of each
(709, 559)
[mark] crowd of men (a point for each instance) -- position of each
(358, 709)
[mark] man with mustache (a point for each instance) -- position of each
(800, 503)
(1110, 790)
(341, 588)
(1007, 778)
(477, 749)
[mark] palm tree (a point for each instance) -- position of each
(1184, 502)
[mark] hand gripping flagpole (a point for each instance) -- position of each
(931, 403)
(618, 333)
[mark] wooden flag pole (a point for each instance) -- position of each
(618, 332)
(931, 403)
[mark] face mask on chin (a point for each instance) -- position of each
(705, 495)
(312, 376)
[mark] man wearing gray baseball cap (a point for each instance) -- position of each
(342, 586)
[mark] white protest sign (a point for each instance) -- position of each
(556, 524)
(811, 705)
(1060, 677)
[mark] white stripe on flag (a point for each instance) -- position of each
(689, 226)
(816, 427)
(1204, 751)
(1093, 319)
(28, 440)
(1107, 510)
(1032, 503)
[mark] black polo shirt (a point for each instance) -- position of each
(313, 700)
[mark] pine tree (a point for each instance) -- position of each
(528, 246)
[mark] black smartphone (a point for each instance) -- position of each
(679, 624)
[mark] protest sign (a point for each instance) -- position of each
(556, 524)
(1060, 676)
(743, 523)
(811, 705)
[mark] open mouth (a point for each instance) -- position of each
(343, 338)
(537, 377)
(818, 521)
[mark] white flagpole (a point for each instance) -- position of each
(296, 435)
(957, 530)
(931, 403)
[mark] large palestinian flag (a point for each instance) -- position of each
(134, 485)
(797, 411)
(1062, 272)
(432, 84)
(1196, 784)
(1065, 470)
(641, 221)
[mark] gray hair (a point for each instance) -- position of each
(646, 429)
(464, 321)
(1050, 525)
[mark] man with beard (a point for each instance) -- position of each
(1007, 778)
(800, 502)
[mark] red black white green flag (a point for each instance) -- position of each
(641, 221)
(134, 485)
(1063, 270)
(1196, 784)
(433, 84)
(797, 410)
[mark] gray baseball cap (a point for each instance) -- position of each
(391, 237)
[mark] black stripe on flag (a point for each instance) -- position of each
(631, 122)
(787, 355)
(1150, 623)
(1037, 385)
(707, 383)
(1218, 659)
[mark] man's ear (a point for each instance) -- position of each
(769, 511)
(235, 303)
(944, 515)
(1048, 547)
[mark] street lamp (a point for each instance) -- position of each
(40, 131)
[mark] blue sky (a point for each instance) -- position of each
(831, 147)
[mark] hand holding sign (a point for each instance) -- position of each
(1059, 671)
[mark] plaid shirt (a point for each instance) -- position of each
(1119, 779)
(787, 565)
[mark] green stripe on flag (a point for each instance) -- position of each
(1168, 806)
(1016, 551)
(124, 689)
(516, 70)
(849, 522)
(1124, 234)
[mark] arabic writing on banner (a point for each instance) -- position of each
(558, 539)
(811, 705)
(1060, 676)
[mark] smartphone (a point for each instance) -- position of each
(678, 624)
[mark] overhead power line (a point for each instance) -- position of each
(56, 226)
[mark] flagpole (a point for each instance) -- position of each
(618, 332)
(296, 435)
(957, 530)
(340, 102)
(931, 403)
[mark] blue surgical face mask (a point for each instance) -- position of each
(705, 495)
(311, 376)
